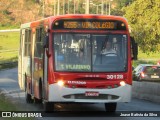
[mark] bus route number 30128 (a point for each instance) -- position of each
(119, 76)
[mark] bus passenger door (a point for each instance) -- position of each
(33, 62)
(45, 68)
(20, 61)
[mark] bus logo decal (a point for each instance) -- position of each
(77, 82)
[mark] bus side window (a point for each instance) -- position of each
(39, 42)
(27, 43)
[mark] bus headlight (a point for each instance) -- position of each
(122, 83)
(60, 83)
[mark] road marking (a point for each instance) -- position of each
(10, 91)
(10, 30)
(3, 91)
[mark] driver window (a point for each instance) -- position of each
(108, 49)
(105, 49)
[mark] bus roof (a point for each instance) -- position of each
(51, 19)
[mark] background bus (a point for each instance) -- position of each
(61, 59)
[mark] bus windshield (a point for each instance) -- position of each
(90, 52)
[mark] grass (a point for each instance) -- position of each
(7, 105)
(137, 62)
(9, 44)
(147, 58)
(153, 56)
(9, 26)
(9, 40)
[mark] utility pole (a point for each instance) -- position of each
(87, 7)
(54, 7)
(43, 8)
(106, 7)
(102, 7)
(110, 7)
(74, 6)
(63, 7)
(97, 9)
(68, 6)
(58, 8)
(78, 7)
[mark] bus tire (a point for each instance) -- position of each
(28, 96)
(48, 106)
(36, 100)
(110, 107)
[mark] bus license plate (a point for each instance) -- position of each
(154, 76)
(90, 93)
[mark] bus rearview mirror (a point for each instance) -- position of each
(134, 48)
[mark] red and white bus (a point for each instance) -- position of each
(62, 59)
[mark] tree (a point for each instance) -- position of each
(123, 3)
(119, 4)
(144, 19)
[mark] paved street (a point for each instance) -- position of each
(9, 85)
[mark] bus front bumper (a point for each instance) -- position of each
(63, 94)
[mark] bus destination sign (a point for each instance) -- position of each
(93, 24)
(89, 25)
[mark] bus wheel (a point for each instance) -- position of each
(28, 96)
(36, 100)
(48, 106)
(110, 107)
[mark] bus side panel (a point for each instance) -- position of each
(20, 61)
(37, 63)
(45, 73)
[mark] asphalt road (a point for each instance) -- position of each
(9, 85)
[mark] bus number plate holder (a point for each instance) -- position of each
(91, 93)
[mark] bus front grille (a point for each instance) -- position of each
(100, 97)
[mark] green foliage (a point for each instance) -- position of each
(144, 20)
(143, 16)
(9, 26)
(117, 12)
(137, 62)
(12, 11)
(123, 3)
(7, 104)
(146, 58)
(9, 44)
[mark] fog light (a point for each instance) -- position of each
(122, 83)
(73, 86)
(66, 85)
(115, 85)
(60, 83)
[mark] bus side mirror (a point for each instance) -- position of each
(134, 48)
(46, 42)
